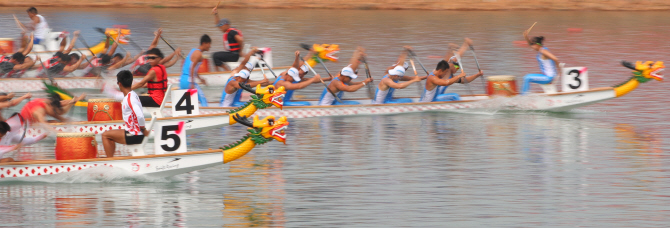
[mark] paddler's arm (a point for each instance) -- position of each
(171, 59)
(150, 76)
(403, 56)
(68, 104)
(446, 82)
(75, 34)
(132, 60)
(157, 35)
(246, 59)
(29, 46)
(111, 50)
(348, 88)
(471, 77)
(14, 102)
(302, 84)
(27, 63)
(74, 66)
(215, 12)
(263, 82)
(364, 82)
(355, 59)
(121, 63)
(196, 57)
(402, 85)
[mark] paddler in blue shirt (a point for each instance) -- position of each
(342, 83)
(454, 66)
(391, 82)
(232, 90)
(189, 70)
(293, 79)
(549, 64)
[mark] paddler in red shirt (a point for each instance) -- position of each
(156, 80)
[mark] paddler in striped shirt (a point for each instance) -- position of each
(342, 83)
(391, 82)
(293, 79)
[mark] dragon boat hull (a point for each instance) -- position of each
(165, 165)
(559, 102)
(35, 84)
(192, 124)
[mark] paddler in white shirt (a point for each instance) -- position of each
(133, 117)
(342, 83)
(391, 82)
(293, 79)
(232, 90)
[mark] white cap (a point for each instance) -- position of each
(405, 65)
(253, 60)
(243, 74)
(398, 70)
(293, 72)
(347, 71)
(304, 68)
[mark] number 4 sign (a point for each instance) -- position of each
(167, 140)
(185, 103)
(575, 79)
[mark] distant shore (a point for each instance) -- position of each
(602, 5)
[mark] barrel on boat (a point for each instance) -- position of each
(501, 85)
(204, 67)
(7, 45)
(76, 146)
(104, 110)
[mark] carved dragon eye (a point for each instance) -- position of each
(271, 122)
(271, 90)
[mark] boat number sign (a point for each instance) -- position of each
(185, 102)
(171, 139)
(575, 79)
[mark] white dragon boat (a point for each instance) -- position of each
(156, 165)
(550, 101)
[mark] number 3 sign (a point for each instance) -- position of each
(167, 139)
(184, 103)
(575, 79)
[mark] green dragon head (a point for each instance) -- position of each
(266, 97)
(264, 130)
(327, 51)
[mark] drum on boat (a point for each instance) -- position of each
(204, 66)
(104, 110)
(501, 85)
(76, 146)
(7, 45)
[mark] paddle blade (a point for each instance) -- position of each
(305, 46)
(100, 30)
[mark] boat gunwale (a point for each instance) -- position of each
(146, 119)
(135, 77)
(53, 161)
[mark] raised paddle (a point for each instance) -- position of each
(101, 30)
(51, 79)
(419, 86)
(324, 84)
(472, 49)
(371, 91)
(413, 55)
(19, 24)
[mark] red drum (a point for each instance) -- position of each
(204, 67)
(501, 85)
(7, 45)
(104, 110)
(76, 146)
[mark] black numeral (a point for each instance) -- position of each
(174, 137)
(576, 77)
(188, 107)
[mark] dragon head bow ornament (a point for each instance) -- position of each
(118, 33)
(260, 99)
(642, 72)
(326, 52)
(261, 131)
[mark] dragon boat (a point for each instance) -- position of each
(261, 98)
(156, 165)
(547, 101)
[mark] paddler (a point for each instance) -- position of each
(62, 63)
(549, 64)
(342, 83)
(454, 67)
(391, 81)
(39, 26)
(4, 129)
(293, 79)
(13, 66)
(230, 97)
(141, 65)
(106, 63)
(134, 130)
(233, 42)
(6, 101)
(189, 69)
(437, 78)
(156, 80)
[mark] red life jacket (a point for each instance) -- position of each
(158, 86)
(227, 42)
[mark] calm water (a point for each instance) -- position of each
(600, 166)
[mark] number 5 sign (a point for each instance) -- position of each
(167, 140)
(575, 79)
(185, 103)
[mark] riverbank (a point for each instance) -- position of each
(605, 5)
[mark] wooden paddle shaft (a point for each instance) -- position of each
(324, 83)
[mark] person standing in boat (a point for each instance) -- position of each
(293, 79)
(342, 83)
(454, 66)
(189, 69)
(156, 80)
(230, 97)
(233, 42)
(134, 130)
(549, 64)
(391, 81)
(40, 27)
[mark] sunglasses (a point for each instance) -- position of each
(152, 57)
